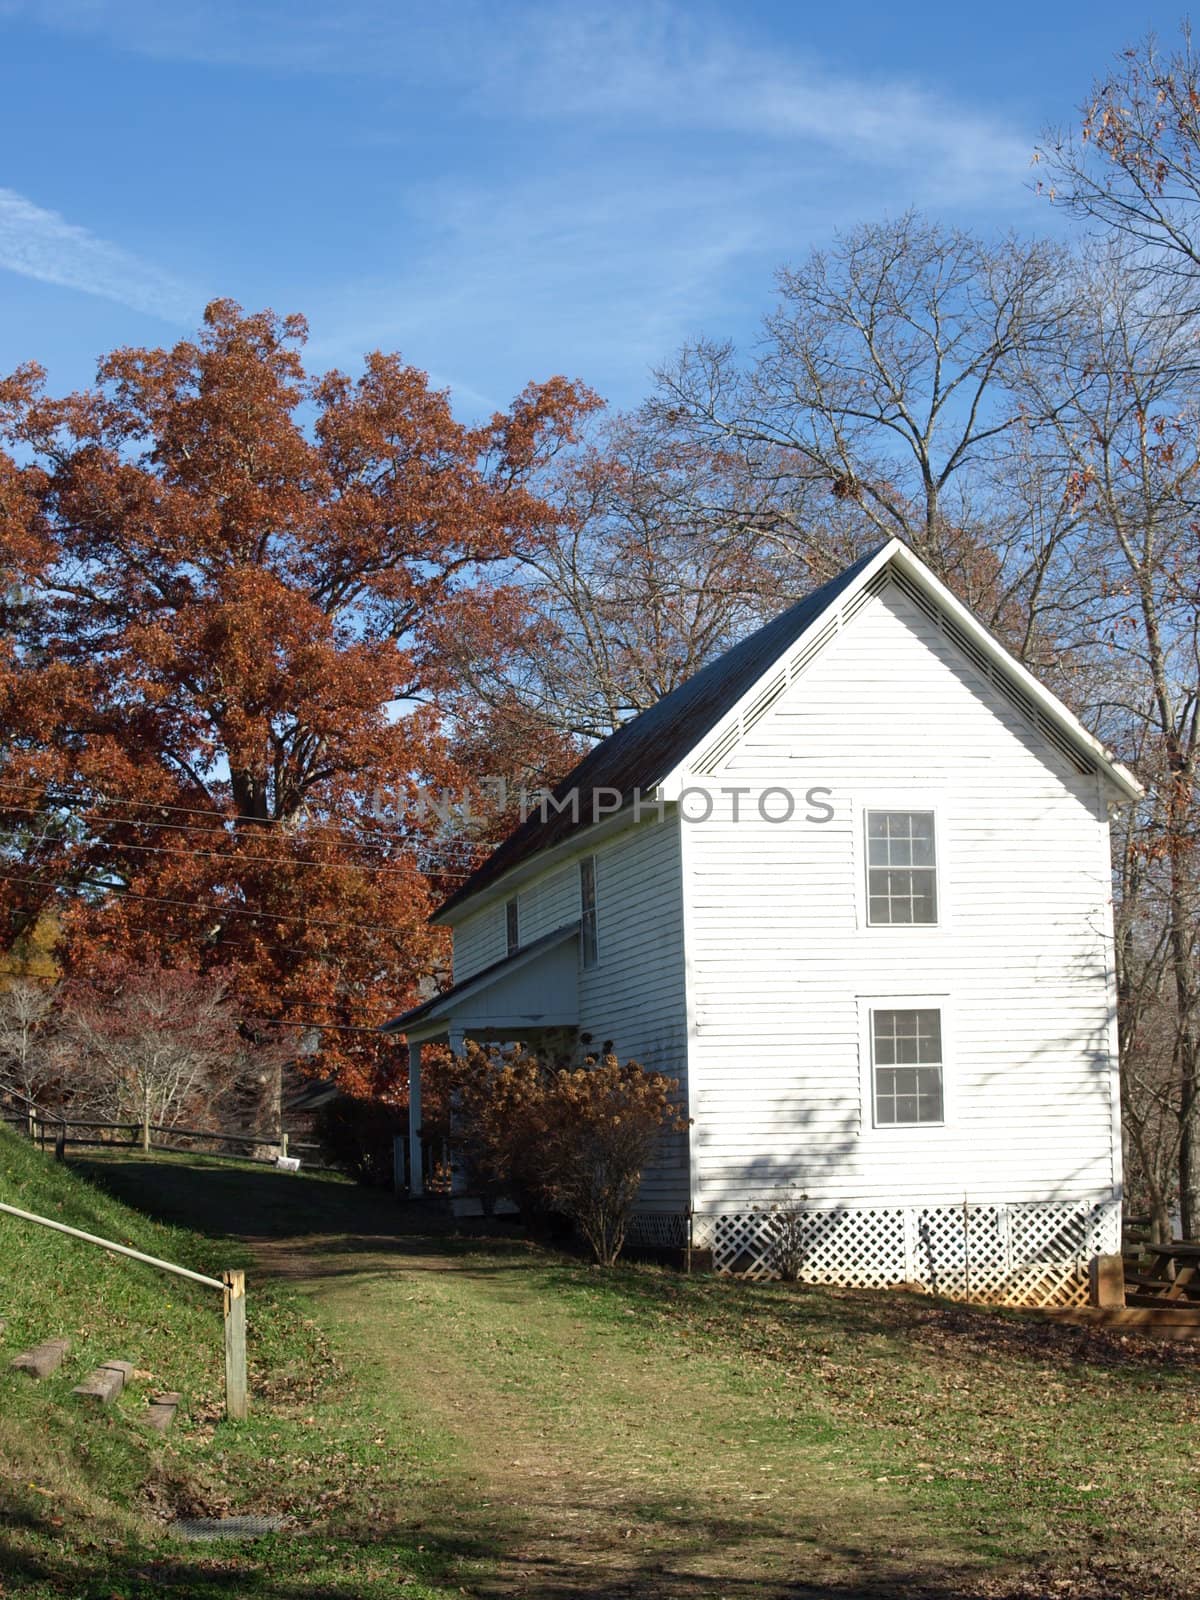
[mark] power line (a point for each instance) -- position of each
(235, 858)
(190, 811)
(216, 910)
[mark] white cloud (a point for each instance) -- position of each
(658, 63)
(42, 244)
(667, 67)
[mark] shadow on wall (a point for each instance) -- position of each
(770, 1212)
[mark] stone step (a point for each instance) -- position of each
(161, 1413)
(106, 1383)
(43, 1359)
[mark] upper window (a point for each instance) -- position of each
(901, 867)
(906, 1058)
(512, 926)
(588, 942)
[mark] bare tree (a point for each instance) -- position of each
(28, 1037)
(153, 1046)
(669, 548)
(884, 379)
(1133, 164)
(1118, 409)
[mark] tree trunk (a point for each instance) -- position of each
(1187, 1046)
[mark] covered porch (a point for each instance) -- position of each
(529, 996)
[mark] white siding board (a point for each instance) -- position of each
(779, 954)
(635, 995)
(478, 941)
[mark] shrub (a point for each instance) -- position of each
(565, 1138)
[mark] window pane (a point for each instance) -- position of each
(902, 895)
(906, 1047)
(587, 884)
(588, 943)
(901, 867)
(512, 927)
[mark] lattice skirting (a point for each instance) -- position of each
(1020, 1254)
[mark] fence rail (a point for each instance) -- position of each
(36, 1122)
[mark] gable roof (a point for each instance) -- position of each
(645, 749)
(656, 745)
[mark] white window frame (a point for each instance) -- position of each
(589, 919)
(900, 799)
(868, 1004)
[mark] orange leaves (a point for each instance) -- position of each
(232, 576)
(560, 1137)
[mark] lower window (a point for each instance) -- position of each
(906, 1066)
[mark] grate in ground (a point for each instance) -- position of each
(200, 1529)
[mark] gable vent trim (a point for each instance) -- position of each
(793, 667)
(996, 676)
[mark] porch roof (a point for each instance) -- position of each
(507, 993)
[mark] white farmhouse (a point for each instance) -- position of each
(850, 884)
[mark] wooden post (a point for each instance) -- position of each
(236, 1392)
(416, 1183)
(1106, 1282)
(283, 1139)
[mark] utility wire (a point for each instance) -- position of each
(224, 817)
(202, 905)
(235, 857)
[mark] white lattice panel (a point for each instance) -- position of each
(1028, 1255)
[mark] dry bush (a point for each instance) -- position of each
(557, 1137)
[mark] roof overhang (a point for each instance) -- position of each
(535, 987)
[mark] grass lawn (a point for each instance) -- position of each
(444, 1414)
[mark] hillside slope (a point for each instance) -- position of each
(85, 1491)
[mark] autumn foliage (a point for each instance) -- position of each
(558, 1137)
(228, 583)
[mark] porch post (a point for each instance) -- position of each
(458, 1048)
(416, 1177)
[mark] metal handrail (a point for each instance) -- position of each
(111, 1244)
(232, 1284)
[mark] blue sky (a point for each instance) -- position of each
(500, 191)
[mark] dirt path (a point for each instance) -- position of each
(588, 1458)
(549, 1435)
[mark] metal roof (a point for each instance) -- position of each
(652, 747)
(646, 748)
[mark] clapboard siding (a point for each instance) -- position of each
(635, 995)
(478, 941)
(543, 905)
(782, 963)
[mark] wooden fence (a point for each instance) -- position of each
(51, 1128)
